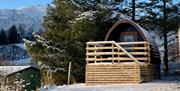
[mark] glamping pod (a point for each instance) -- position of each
(128, 54)
(125, 31)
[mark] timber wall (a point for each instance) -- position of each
(149, 72)
(120, 73)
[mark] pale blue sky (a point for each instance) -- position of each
(12, 4)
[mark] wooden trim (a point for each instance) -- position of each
(109, 42)
(133, 43)
(121, 58)
(127, 48)
(112, 53)
(118, 56)
(115, 53)
(87, 51)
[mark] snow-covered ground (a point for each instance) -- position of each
(14, 54)
(170, 83)
(167, 83)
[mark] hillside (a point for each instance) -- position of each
(28, 17)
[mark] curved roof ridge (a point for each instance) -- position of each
(145, 34)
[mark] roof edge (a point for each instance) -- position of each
(121, 21)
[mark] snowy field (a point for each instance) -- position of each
(171, 83)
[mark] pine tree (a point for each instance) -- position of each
(13, 36)
(21, 31)
(150, 14)
(171, 22)
(29, 33)
(69, 26)
(3, 37)
(156, 14)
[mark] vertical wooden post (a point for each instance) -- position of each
(51, 78)
(69, 72)
(112, 53)
(87, 56)
(135, 72)
(149, 52)
(95, 57)
(118, 56)
(2, 86)
(146, 51)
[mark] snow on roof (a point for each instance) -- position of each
(7, 70)
(2, 73)
(146, 34)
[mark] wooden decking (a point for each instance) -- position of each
(109, 62)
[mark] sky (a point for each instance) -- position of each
(12, 4)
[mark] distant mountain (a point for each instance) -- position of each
(28, 17)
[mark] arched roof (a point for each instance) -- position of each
(145, 34)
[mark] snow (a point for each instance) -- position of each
(14, 54)
(166, 84)
(87, 15)
(20, 45)
(6, 70)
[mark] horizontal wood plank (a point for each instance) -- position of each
(121, 58)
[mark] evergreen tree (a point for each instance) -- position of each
(29, 33)
(3, 37)
(69, 26)
(150, 14)
(155, 15)
(13, 35)
(21, 31)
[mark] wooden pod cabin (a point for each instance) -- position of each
(127, 55)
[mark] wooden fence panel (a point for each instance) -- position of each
(112, 73)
